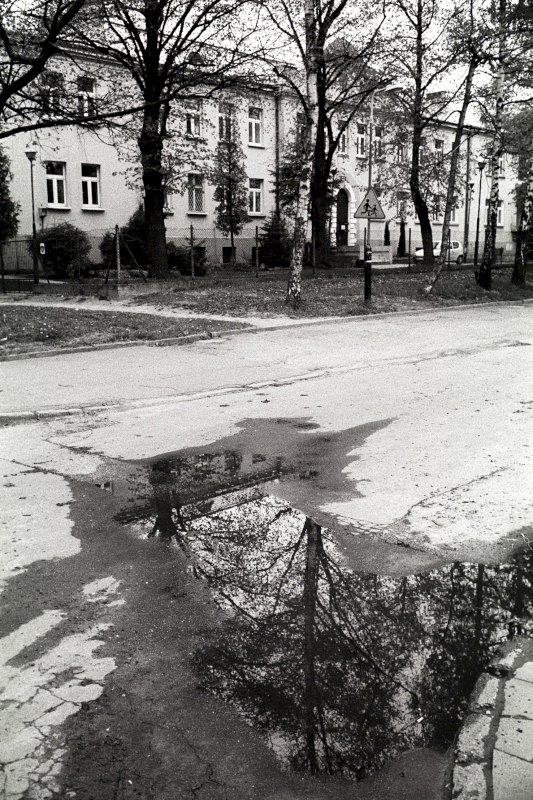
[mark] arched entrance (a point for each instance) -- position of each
(342, 218)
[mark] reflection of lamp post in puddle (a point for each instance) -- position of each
(31, 155)
(481, 167)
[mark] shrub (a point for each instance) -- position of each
(67, 249)
(179, 258)
(275, 242)
(132, 244)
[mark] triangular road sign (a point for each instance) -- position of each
(370, 207)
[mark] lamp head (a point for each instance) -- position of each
(31, 152)
(481, 166)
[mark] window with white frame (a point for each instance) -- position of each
(195, 192)
(439, 149)
(86, 95)
(55, 183)
(52, 91)
(225, 111)
(499, 216)
(343, 138)
(255, 196)
(501, 166)
(403, 152)
(255, 125)
(453, 215)
(438, 207)
(360, 138)
(378, 141)
(90, 185)
(423, 150)
(192, 121)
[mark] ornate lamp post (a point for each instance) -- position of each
(481, 167)
(31, 155)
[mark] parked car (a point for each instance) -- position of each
(456, 252)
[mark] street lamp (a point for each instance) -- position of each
(481, 167)
(31, 155)
(469, 196)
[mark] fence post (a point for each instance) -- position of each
(192, 252)
(409, 252)
(2, 267)
(117, 247)
(449, 248)
(257, 251)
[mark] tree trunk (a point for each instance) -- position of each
(452, 177)
(301, 222)
(320, 189)
(418, 127)
(151, 147)
(484, 276)
(524, 225)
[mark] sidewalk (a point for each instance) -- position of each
(493, 758)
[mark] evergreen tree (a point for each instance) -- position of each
(9, 210)
(229, 177)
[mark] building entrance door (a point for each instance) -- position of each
(342, 218)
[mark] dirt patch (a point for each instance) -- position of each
(334, 293)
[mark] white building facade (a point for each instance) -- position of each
(84, 176)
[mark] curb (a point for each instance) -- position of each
(194, 337)
(470, 773)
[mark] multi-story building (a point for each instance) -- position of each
(87, 176)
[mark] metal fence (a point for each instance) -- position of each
(97, 252)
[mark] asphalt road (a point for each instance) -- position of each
(414, 429)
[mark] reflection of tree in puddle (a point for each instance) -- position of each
(343, 670)
(346, 670)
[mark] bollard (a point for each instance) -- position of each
(368, 273)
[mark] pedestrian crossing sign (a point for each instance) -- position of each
(370, 208)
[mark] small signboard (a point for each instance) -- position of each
(42, 249)
(370, 207)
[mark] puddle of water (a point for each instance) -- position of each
(341, 669)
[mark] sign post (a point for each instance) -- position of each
(369, 209)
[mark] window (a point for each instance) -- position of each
(402, 152)
(90, 185)
(55, 183)
(192, 121)
(438, 207)
(439, 149)
(255, 195)
(453, 215)
(228, 254)
(86, 96)
(499, 216)
(501, 166)
(378, 141)
(360, 140)
(343, 138)
(255, 126)
(52, 86)
(195, 190)
(225, 111)
(423, 150)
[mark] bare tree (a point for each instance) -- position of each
(30, 35)
(170, 50)
(334, 54)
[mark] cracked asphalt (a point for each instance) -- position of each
(98, 697)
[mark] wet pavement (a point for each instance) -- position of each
(190, 611)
